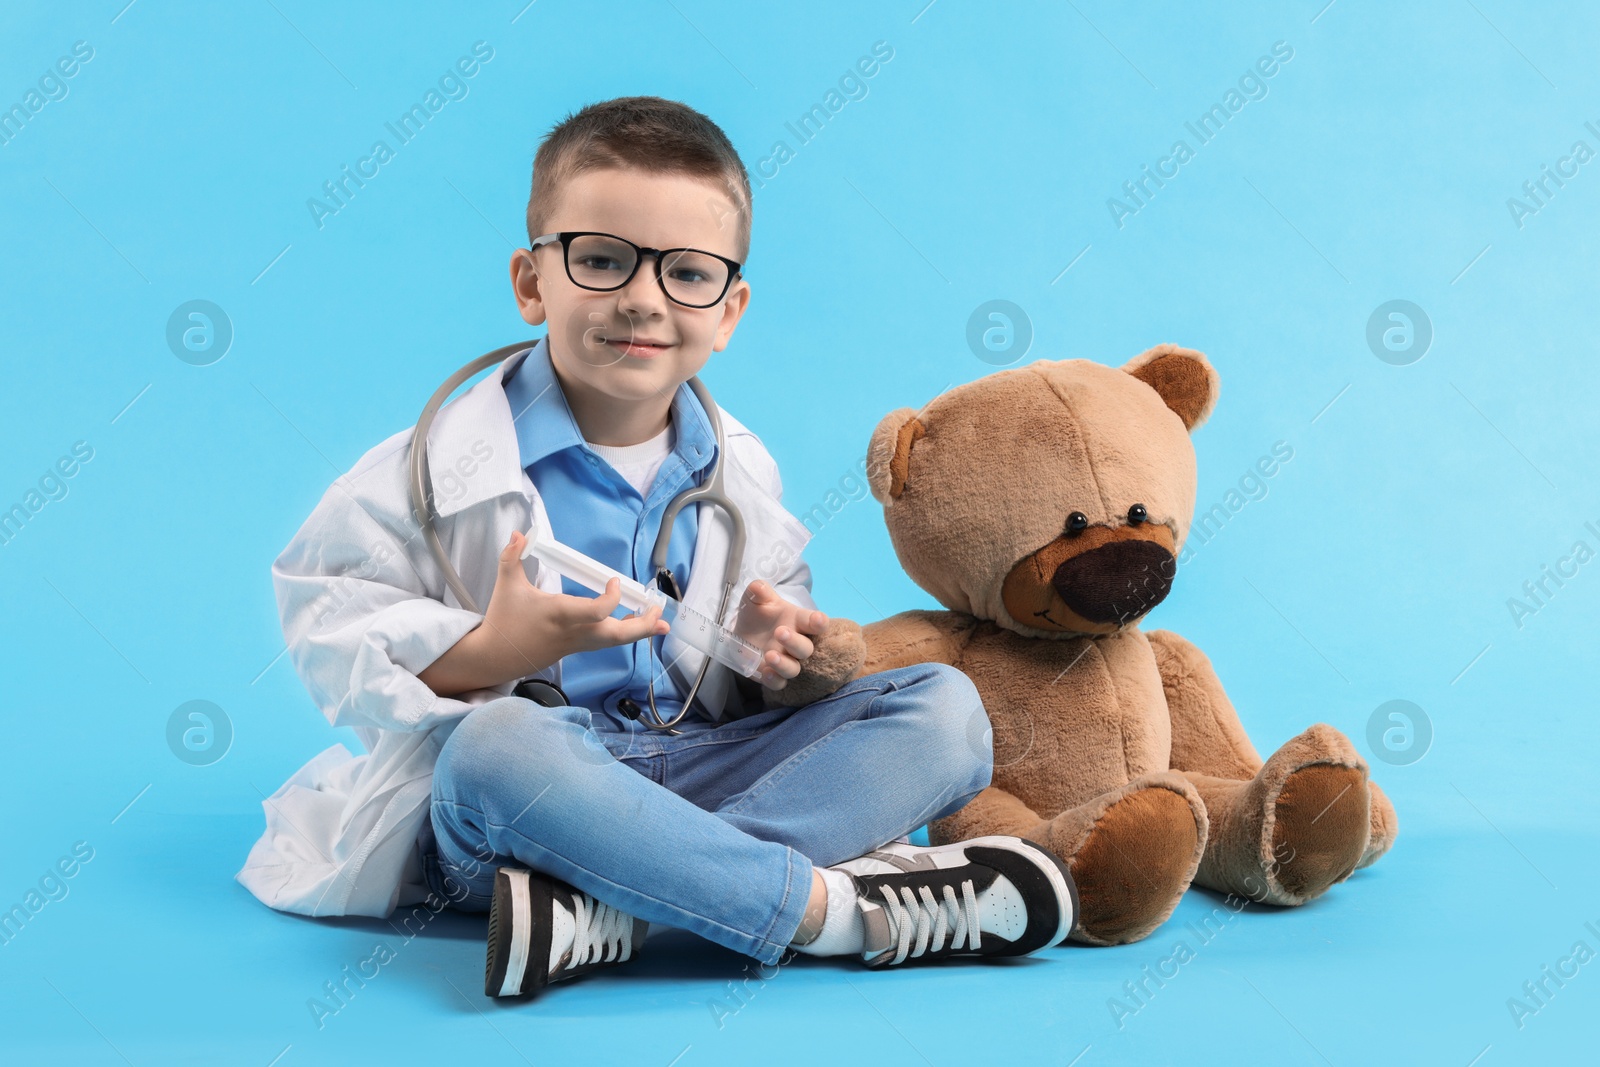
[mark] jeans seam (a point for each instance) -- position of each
(438, 867)
(788, 882)
(763, 938)
(783, 770)
(727, 739)
(796, 760)
(944, 803)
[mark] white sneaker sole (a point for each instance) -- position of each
(528, 915)
(510, 933)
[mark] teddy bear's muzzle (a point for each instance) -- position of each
(1117, 582)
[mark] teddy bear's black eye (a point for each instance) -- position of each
(1077, 522)
(1137, 514)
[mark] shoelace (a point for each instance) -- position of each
(600, 927)
(930, 918)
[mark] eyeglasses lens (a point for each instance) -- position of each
(601, 262)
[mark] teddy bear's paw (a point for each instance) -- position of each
(1132, 853)
(1385, 826)
(837, 656)
(1317, 817)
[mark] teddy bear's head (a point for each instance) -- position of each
(1051, 499)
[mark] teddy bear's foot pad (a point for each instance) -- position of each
(1133, 865)
(1385, 825)
(1319, 828)
(1299, 826)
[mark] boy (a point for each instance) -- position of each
(760, 825)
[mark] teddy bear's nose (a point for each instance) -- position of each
(1116, 582)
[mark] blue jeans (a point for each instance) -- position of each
(714, 830)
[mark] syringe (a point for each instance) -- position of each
(693, 628)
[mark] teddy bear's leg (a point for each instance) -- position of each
(1207, 736)
(1300, 825)
(1209, 740)
(1132, 851)
(1385, 825)
(993, 811)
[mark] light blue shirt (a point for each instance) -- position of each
(595, 510)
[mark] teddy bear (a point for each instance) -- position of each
(1045, 507)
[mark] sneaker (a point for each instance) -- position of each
(542, 930)
(986, 896)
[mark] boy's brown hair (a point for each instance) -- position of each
(644, 132)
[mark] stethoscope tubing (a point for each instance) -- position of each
(710, 491)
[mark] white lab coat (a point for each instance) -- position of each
(364, 608)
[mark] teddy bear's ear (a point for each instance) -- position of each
(1184, 378)
(889, 454)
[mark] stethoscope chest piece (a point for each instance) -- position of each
(546, 694)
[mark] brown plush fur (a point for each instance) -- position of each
(837, 656)
(1117, 749)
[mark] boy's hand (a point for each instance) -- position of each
(779, 629)
(528, 617)
(526, 630)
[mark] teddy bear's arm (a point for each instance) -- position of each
(847, 650)
(1207, 736)
(913, 637)
(836, 658)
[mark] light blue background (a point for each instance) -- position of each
(977, 167)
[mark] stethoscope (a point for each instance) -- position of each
(709, 491)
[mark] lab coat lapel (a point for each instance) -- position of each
(473, 454)
(480, 486)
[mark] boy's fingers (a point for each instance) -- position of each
(604, 604)
(797, 645)
(813, 622)
(580, 610)
(781, 665)
(638, 627)
(651, 620)
(511, 555)
(510, 572)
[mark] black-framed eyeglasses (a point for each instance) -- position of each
(604, 262)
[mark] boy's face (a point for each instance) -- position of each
(633, 343)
